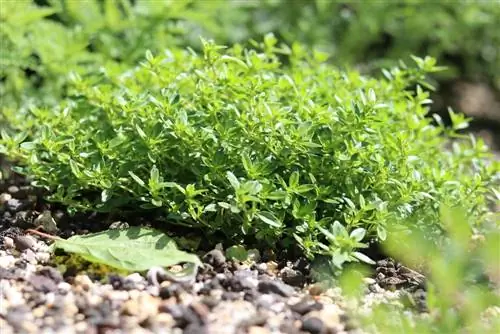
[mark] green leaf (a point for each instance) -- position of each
(132, 249)
(363, 258)
(358, 234)
(136, 178)
(276, 195)
(303, 188)
(269, 218)
(74, 168)
(381, 233)
(233, 180)
(154, 177)
(28, 145)
(293, 181)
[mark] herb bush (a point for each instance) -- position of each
(238, 141)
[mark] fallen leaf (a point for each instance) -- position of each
(132, 249)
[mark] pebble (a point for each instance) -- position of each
(23, 242)
(4, 198)
(42, 257)
(42, 283)
(329, 314)
(142, 307)
(258, 330)
(214, 258)
(14, 204)
(313, 325)
(7, 261)
(8, 243)
(13, 190)
(225, 317)
(292, 277)
(83, 281)
(276, 287)
(306, 306)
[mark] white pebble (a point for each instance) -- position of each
(7, 261)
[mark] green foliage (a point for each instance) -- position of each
(42, 44)
(131, 249)
(235, 141)
(462, 286)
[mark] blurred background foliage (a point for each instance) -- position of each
(42, 40)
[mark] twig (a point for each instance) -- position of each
(45, 235)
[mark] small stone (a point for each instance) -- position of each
(46, 221)
(226, 317)
(214, 258)
(64, 287)
(201, 309)
(42, 283)
(13, 190)
(81, 327)
(275, 287)
(14, 297)
(306, 306)
(143, 307)
(164, 320)
(272, 266)
(29, 256)
(4, 198)
(292, 277)
(84, 282)
(313, 325)
(329, 314)
(24, 242)
(194, 328)
(21, 319)
(7, 274)
(244, 279)
(14, 205)
(42, 257)
(134, 278)
(258, 330)
(8, 243)
(266, 301)
(116, 295)
(261, 267)
(182, 314)
(39, 312)
(316, 289)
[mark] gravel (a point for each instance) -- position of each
(37, 298)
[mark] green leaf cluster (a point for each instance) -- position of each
(269, 142)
